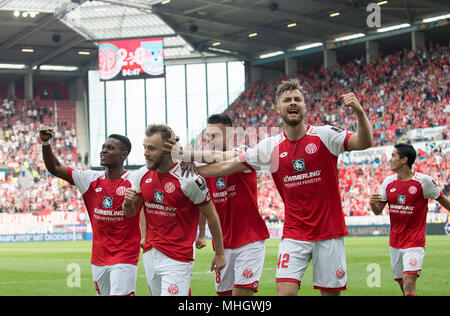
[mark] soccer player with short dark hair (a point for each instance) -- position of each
(116, 238)
(407, 193)
(236, 200)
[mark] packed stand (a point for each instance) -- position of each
(399, 92)
(29, 187)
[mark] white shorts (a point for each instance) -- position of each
(407, 261)
(328, 257)
(243, 269)
(116, 279)
(165, 276)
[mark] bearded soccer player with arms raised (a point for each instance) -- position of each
(303, 163)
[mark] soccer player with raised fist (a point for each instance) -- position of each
(116, 238)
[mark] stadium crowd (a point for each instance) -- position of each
(400, 92)
(27, 186)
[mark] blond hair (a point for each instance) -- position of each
(288, 85)
(163, 129)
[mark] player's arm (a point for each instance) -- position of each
(143, 226)
(204, 156)
(363, 138)
(201, 239)
(210, 213)
(376, 204)
(131, 202)
(444, 201)
(52, 163)
(224, 168)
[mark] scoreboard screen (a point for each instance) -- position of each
(131, 59)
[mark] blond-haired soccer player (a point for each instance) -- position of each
(303, 163)
(407, 193)
(171, 204)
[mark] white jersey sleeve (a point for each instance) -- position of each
(261, 157)
(82, 178)
(136, 177)
(430, 188)
(196, 190)
(384, 186)
(334, 138)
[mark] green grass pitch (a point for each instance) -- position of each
(42, 269)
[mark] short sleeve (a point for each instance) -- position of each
(382, 191)
(334, 138)
(82, 178)
(196, 190)
(430, 188)
(136, 177)
(260, 156)
(384, 185)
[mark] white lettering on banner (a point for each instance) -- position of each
(32, 224)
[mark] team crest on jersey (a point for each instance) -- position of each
(121, 190)
(311, 148)
(159, 196)
(107, 202)
(221, 183)
(401, 199)
(169, 187)
(412, 190)
(299, 165)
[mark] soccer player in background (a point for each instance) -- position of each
(236, 200)
(171, 204)
(116, 238)
(407, 193)
(303, 163)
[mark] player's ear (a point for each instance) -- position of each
(404, 160)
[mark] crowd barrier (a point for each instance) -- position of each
(72, 226)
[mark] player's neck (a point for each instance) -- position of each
(405, 174)
(114, 173)
(295, 132)
(166, 166)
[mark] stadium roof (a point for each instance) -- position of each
(66, 32)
